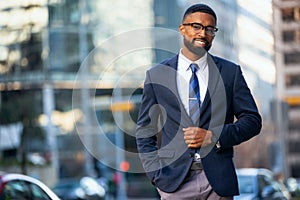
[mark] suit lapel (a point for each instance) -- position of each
(214, 78)
(173, 63)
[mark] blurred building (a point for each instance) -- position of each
(287, 59)
(43, 45)
(48, 49)
(255, 50)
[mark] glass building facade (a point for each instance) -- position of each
(286, 32)
(65, 63)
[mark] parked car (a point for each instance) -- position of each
(260, 184)
(293, 185)
(22, 187)
(85, 188)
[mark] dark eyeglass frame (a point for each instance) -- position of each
(209, 30)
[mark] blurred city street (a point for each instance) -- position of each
(71, 85)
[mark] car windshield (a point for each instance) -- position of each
(246, 184)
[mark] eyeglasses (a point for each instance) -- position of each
(209, 30)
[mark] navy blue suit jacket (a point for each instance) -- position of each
(228, 109)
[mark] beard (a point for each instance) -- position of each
(195, 49)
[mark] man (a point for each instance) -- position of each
(199, 106)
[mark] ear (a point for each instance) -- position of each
(181, 29)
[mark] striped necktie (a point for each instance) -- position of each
(194, 95)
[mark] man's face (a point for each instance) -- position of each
(196, 40)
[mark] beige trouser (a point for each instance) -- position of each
(195, 187)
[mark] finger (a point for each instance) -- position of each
(186, 129)
(189, 128)
(188, 142)
(190, 131)
(196, 145)
(190, 136)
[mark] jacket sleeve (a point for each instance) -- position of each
(147, 129)
(248, 121)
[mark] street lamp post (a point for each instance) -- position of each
(120, 157)
(85, 97)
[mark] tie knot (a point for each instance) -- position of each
(194, 67)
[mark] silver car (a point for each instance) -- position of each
(22, 187)
(260, 184)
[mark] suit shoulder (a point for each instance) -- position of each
(170, 62)
(224, 62)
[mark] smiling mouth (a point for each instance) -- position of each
(201, 42)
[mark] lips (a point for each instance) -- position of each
(200, 42)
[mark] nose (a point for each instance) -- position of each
(201, 32)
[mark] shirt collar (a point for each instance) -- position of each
(202, 62)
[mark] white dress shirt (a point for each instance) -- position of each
(184, 74)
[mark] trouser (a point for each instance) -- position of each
(195, 187)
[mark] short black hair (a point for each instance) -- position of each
(200, 8)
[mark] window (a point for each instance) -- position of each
(292, 58)
(287, 14)
(38, 193)
(288, 36)
(16, 190)
(246, 184)
(267, 180)
(292, 80)
(294, 125)
(295, 169)
(294, 147)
